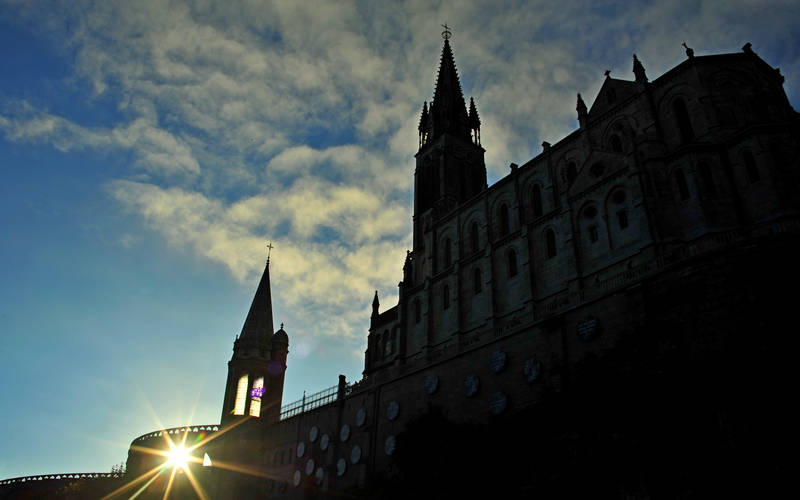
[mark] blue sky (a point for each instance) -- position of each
(149, 150)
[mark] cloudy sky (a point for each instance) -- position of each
(150, 150)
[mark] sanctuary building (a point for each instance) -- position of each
(610, 319)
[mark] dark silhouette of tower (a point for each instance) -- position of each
(258, 365)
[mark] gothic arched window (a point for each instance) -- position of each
(387, 345)
(417, 311)
(512, 263)
(504, 227)
(550, 243)
(536, 201)
(572, 172)
(476, 275)
(446, 297)
(682, 116)
(474, 237)
(241, 395)
(750, 166)
(683, 187)
(616, 144)
(708, 179)
(448, 256)
(255, 397)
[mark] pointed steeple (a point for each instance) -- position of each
(424, 125)
(638, 70)
(581, 109)
(257, 327)
(474, 122)
(448, 111)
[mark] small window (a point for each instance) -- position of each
(255, 397)
(593, 234)
(536, 201)
(417, 311)
(447, 253)
(708, 179)
(683, 187)
(622, 219)
(682, 116)
(616, 144)
(477, 280)
(512, 263)
(550, 239)
(446, 297)
(750, 165)
(473, 232)
(504, 219)
(572, 172)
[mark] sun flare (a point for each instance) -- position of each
(178, 456)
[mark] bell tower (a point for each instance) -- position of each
(258, 365)
(450, 167)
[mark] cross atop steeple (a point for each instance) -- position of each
(269, 251)
(446, 34)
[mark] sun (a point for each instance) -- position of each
(178, 457)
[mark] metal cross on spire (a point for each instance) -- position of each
(446, 34)
(269, 250)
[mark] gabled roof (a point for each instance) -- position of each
(612, 93)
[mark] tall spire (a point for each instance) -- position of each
(448, 111)
(258, 325)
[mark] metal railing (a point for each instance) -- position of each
(321, 398)
(179, 430)
(71, 475)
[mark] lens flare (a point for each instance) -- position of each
(178, 457)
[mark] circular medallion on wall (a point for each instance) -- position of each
(301, 449)
(431, 384)
(296, 478)
(392, 410)
(532, 370)
(471, 385)
(341, 467)
(319, 475)
(313, 433)
(309, 466)
(355, 454)
(498, 361)
(389, 445)
(344, 433)
(361, 417)
(497, 403)
(324, 441)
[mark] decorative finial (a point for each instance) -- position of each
(269, 250)
(281, 325)
(607, 73)
(689, 51)
(446, 34)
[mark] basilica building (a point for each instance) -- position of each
(608, 320)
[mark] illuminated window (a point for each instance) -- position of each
(255, 397)
(206, 460)
(241, 396)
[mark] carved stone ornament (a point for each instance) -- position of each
(392, 410)
(389, 445)
(497, 403)
(344, 433)
(355, 454)
(313, 433)
(319, 475)
(297, 477)
(431, 384)
(532, 369)
(301, 449)
(324, 441)
(361, 417)
(341, 467)
(498, 361)
(471, 385)
(587, 329)
(309, 466)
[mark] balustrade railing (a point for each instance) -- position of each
(178, 430)
(71, 475)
